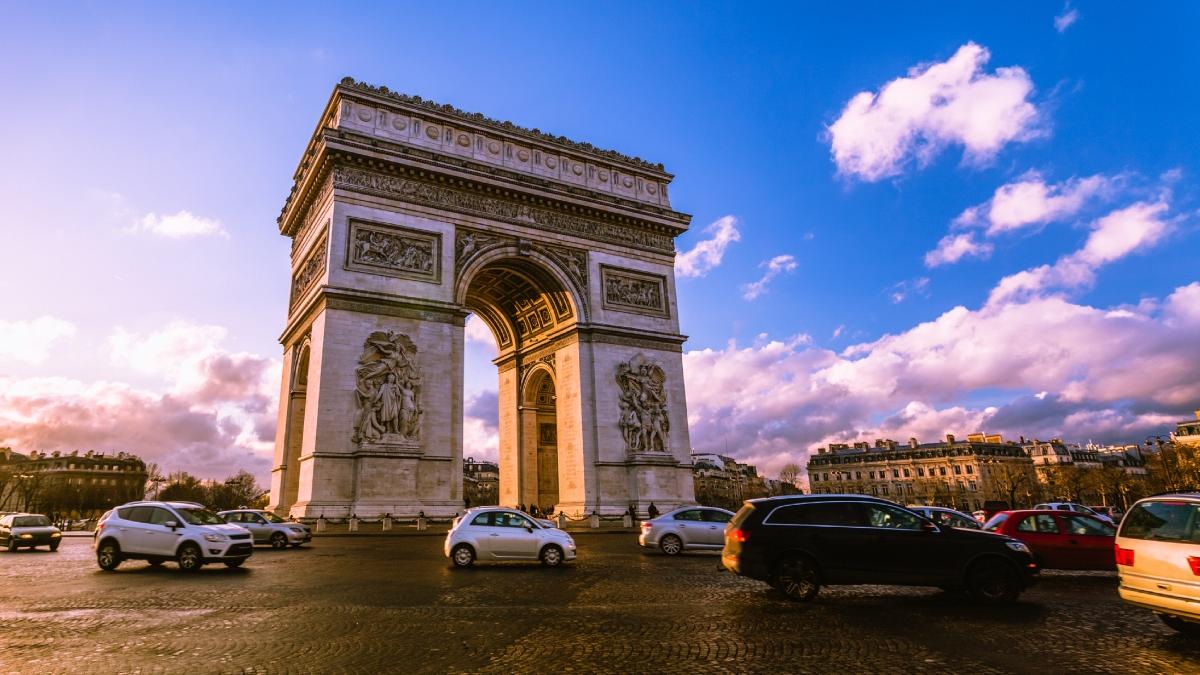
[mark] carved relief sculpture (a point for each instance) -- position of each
(627, 290)
(393, 251)
(388, 391)
(310, 271)
(644, 424)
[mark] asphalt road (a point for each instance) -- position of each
(393, 604)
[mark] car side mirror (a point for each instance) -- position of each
(529, 529)
(171, 524)
(929, 527)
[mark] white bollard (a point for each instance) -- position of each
(627, 521)
(422, 523)
(387, 523)
(562, 520)
(321, 524)
(595, 520)
(353, 524)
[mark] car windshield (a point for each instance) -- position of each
(995, 523)
(271, 517)
(198, 516)
(31, 521)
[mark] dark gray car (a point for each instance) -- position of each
(268, 528)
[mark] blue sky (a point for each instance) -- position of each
(120, 119)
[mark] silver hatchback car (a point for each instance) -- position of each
(689, 527)
(269, 528)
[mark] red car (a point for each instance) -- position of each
(1060, 540)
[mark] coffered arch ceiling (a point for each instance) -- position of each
(520, 301)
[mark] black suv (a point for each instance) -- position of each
(798, 543)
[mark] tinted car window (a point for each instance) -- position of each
(959, 521)
(1162, 521)
(820, 513)
(160, 516)
(137, 514)
(879, 515)
(484, 519)
(197, 516)
(742, 514)
(995, 523)
(503, 519)
(232, 517)
(30, 521)
(1088, 526)
(691, 514)
(1040, 524)
(716, 516)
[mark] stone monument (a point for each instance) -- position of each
(407, 216)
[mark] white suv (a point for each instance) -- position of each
(1074, 508)
(187, 533)
(1158, 559)
(495, 533)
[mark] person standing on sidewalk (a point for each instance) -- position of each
(652, 511)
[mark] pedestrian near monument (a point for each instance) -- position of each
(652, 511)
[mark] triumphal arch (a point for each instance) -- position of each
(406, 217)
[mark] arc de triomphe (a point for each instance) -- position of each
(407, 216)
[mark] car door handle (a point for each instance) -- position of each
(712, 527)
(1073, 542)
(494, 534)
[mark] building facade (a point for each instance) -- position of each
(481, 483)
(1188, 432)
(69, 484)
(953, 473)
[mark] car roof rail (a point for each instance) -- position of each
(1184, 491)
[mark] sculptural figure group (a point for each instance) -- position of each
(388, 390)
(644, 423)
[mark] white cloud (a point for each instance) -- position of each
(954, 102)
(215, 414)
(707, 253)
(1065, 20)
(32, 341)
(780, 264)
(1114, 236)
(837, 332)
(1030, 201)
(1101, 374)
(955, 247)
(477, 331)
(181, 225)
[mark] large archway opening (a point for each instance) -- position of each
(525, 304)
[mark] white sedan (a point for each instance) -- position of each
(497, 533)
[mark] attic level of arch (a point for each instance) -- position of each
(425, 177)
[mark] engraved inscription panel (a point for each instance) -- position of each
(632, 291)
(394, 251)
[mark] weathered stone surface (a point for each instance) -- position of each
(408, 217)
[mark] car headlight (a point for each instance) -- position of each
(1018, 546)
(27, 536)
(215, 537)
(298, 530)
(54, 535)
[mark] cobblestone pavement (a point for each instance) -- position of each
(393, 604)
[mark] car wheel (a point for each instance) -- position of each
(993, 582)
(12, 545)
(671, 545)
(1181, 626)
(54, 546)
(234, 564)
(108, 556)
(278, 540)
(463, 556)
(797, 579)
(552, 556)
(189, 558)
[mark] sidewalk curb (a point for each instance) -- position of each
(442, 534)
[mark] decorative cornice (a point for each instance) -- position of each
(515, 212)
(509, 127)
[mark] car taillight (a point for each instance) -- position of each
(1125, 556)
(1194, 562)
(740, 536)
(646, 526)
